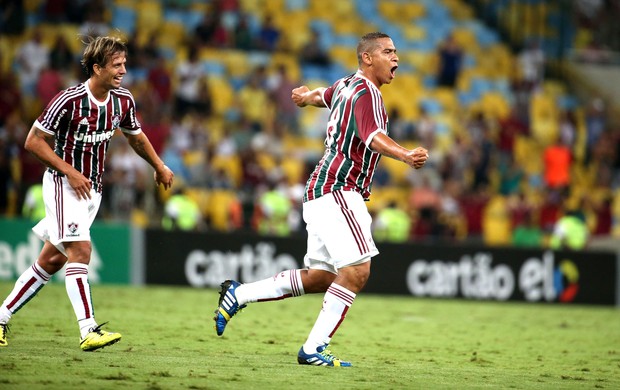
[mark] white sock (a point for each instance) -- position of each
(78, 289)
(26, 287)
(336, 303)
(285, 284)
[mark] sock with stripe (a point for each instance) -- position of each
(78, 290)
(336, 303)
(26, 287)
(285, 284)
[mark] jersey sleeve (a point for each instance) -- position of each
(370, 116)
(328, 94)
(55, 115)
(129, 122)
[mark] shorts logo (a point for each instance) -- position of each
(73, 227)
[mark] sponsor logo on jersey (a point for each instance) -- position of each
(81, 133)
(62, 113)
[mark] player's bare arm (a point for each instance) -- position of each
(143, 147)
(38, 143)
(303, 96)
(385, 145)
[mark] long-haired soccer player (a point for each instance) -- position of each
(80, 122)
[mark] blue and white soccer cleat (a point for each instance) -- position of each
(322, 357)
(227, 305)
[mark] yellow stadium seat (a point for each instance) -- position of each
(200, 196)
(389, 9)
(466, 38)
(344, 55)
(447, 98)
(172, 34)
(222, 95)
(231, 165)
(219, 205)
(495, 105)
(414, 32)
(528, 154)
(294, 170)
(382, 196)
(496, 222)
(412, 10)
(266, 161)
(149, 15)
(397, 169)
(236, 62)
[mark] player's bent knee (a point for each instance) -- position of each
(316, 281)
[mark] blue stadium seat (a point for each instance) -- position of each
(124, 19)
(188, 18)
(214, 68)
(296, 5)
(431, 106)
(313, 72)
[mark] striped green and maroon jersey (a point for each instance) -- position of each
(357, 114)
(83, 126)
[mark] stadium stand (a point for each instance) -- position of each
(490, 86)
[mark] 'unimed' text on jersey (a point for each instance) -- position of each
(357, 114)
(83, 127)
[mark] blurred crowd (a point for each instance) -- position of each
(241, 151)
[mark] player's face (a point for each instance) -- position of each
(112, 74)
(384, 61)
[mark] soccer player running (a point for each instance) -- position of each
(80, 122)
(340, 244)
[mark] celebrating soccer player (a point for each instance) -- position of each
(340, 244)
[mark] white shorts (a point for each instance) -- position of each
(67, 218)
(339, 233)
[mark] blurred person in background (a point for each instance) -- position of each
(94, 23)
(280, 86)
(190, 74)
(450, 62)
(32, 57)
(12, 17)
(340, 243)
(71, 138)
(17, 175)
(570, 231)
(269, 35)
(532, 66)
(557, 159)
(181, 212)
(271, 214)
(313, 53)
(60, 53)
(34, 205)
(527, 233)
(392, 224)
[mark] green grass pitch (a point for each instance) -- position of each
(394, 343)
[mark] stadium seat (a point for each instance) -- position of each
(220, 204)
(294, 170)
(149, 15)
(231, 165)
(496, 222)
(124, 19)
(222, 95)
(382, 196)
(172, 35)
